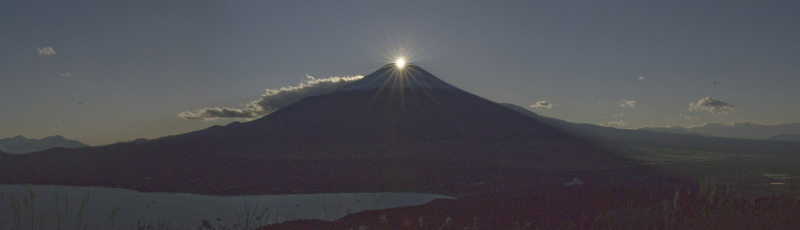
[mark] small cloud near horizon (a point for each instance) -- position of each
(627, 103)
(640, 78)
(542, 104)
(272, 99)
(46, 51)
(713, 106)
(65, 75)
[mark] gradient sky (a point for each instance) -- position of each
(107, 71)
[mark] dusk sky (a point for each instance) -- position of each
(106, 71)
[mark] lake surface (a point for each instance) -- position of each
(105, 208)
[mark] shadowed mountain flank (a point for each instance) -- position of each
(401, 113)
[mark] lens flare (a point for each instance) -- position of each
(400, 62)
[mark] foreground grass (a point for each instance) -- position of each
(19, 212)
(707, 209)
(707, 206)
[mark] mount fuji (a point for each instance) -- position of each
(397, 129)
(400, 113)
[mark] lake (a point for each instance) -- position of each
(71, 207)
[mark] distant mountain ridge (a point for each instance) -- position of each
(634, 137)
(744, 130)
(786, 137)
(20, 144)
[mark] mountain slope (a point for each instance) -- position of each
(411, 114)
(397, 129)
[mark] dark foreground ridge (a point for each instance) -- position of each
(578, 207)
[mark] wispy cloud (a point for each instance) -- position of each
(627, 103)
(640, 78)
(617, 123)
(687, 117)
(46, 51)
(542, 104)
(713, 106)
(65, 75)
(272, 99)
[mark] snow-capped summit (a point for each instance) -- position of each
(394, 76)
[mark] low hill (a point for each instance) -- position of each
(20, 144)
(743, 130)
(615, 138)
